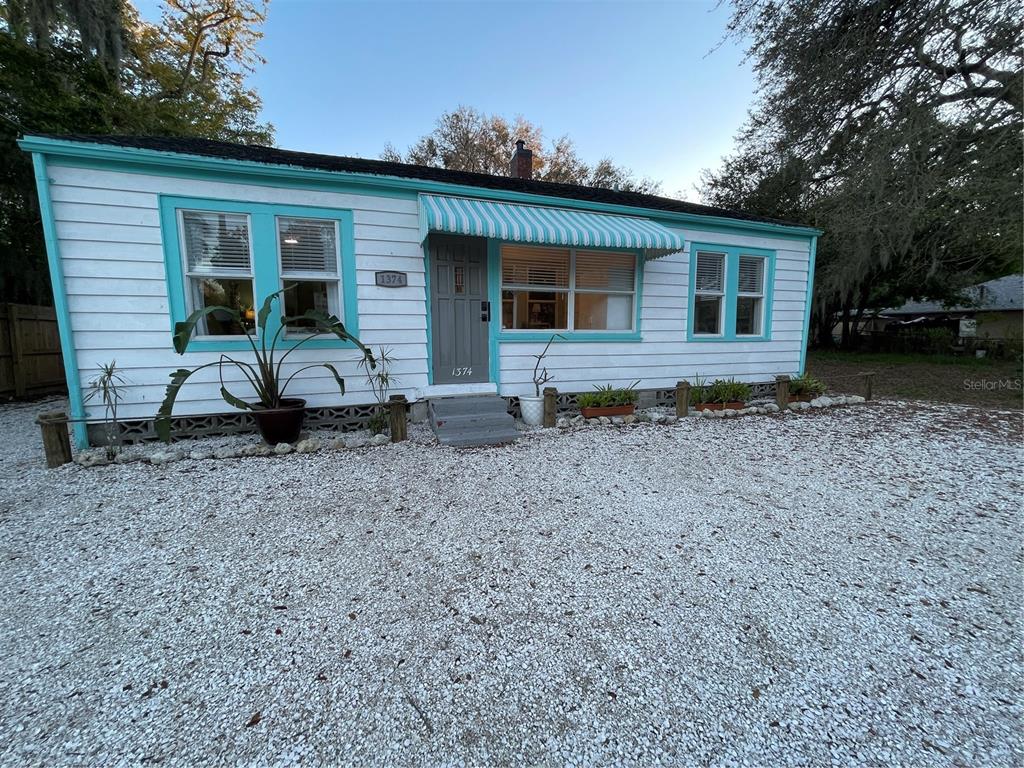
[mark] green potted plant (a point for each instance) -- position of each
(804, 388)
(608, 401)
(278, 418)
(724, 394)
(531, 408)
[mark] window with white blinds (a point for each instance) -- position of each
(708, 300)
(730, 293)
(218, 271)
(542, 267)
(750, 296)
(216, 242)
(308, 245)
(308, 252)
(751, 275)
(710, 272)
(566, 289)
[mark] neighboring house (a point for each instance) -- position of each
(463, 276)
(996, 307)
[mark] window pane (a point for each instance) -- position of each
(307, 245)
(603, 311)
(306, 295)
(748, 316)
(751, 274)
(710, 272)
(216, 242)
(544, 267)
(222, 292)
(707, 311)
(534, 310)
(605, 271)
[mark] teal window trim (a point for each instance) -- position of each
(502, 335)
(732, 260)
(76, 402)
(266, 263)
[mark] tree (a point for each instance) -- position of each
(896, 127)
(465, 139)
(182, 77)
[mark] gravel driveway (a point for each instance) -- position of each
(841, 587)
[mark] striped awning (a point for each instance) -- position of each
(540, 224)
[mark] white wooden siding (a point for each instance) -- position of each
(108, 226)
(663, 356)
(113, 263)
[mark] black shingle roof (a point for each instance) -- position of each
(273, 156)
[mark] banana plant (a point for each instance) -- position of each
(265, 375)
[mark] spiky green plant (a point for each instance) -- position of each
(380, 380)
(107, 386)
(265, 375)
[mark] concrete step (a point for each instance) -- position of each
(472, 420)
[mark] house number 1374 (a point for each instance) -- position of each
(462, 371)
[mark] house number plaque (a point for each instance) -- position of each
(392, 279)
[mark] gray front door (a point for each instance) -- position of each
(459, 312)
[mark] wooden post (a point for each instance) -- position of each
(682, 399)
(56, 443)
(550, 406)
(782, 391)
(869, 385)
(398, 406)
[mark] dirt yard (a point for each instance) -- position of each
(984, 383)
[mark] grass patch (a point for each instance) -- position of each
(983, 382)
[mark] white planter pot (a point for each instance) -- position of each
(532, 410)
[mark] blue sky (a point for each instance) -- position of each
(636, 81)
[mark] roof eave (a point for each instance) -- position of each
(133, 155)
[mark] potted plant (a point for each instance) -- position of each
(608, 401)
(724, 394)
(804, 388)
(532, 408)
(278, 418)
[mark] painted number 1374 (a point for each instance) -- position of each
(462, 371)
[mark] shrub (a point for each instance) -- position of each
(699, 391)
(807, 385)
(607, 396)
(727, 391)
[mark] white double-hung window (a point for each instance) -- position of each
(218, 269)
(750, 296)
(709, 293)
(309, 259)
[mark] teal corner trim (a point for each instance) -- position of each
(109, 157)
(430, 328)
(60, 302)
(266, 266)
(732, 258)
(494, 326)
(807, 309)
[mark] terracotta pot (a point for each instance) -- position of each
(735, 406)
(283, 424)
(594, 412)
(800, 398)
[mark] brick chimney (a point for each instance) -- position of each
(521, 166)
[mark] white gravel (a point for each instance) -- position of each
(833, 587)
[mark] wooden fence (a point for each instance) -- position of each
(30, 359)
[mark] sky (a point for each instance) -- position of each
(645, 83)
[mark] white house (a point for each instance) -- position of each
(463, 276)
